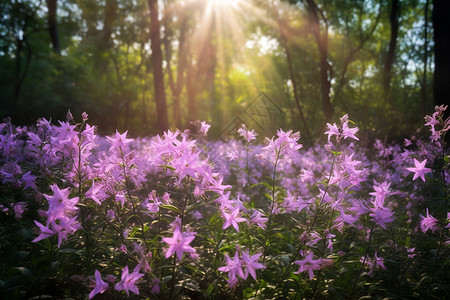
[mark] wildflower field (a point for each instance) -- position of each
(178, 216)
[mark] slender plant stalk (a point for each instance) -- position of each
(302, 244)
(363, 263)
(444, 187)
(269, 221)
(127, 186)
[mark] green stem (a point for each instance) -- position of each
(363, 263)
(444, 187)
(127, 187)
(216, 255)
(269, 221)
(172, 285)
(302, 244)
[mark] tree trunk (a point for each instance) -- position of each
(191, 94)
(176, 85)
(180, 74)
(425, 61)
(109, 17)
(291, 73)
(321, 37)
(387, 71)
(215, 111)
(441, 27)
(158, 76)
(52, 25)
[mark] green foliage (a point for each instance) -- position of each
(104, 66)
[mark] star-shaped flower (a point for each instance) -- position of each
(45, 232)
(119, 141)
(232, 219)
(308, 264)
(419, 169)
(128, 281)
(429, 222)
(100, 285)
(233, 267)
(252, 264)
(332, 130)
(381, 215)
(179, 244)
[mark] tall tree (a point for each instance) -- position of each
(441, 28)
(321, 37)
(109, 17)
(52, 6)
(156, 59)
(390, 56)
(176, 85)
(292, 76)
(424, 89)
(23, 15)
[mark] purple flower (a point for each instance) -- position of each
(374, 264)
(349, 132)
(178, 244)
(343, 131)
(285, 145)
(45, 232)
(19, 209)
(379, 261)
(128, 281)
(197, 215)
(232, 219)
(155, 286)
(59, 204)
(382, 215)
(66, 226)
(429, 222)
(332, 130)
(437, 119)
(248, 135)
(381, 191)
(259, 219)
(100, 285)
(419, 169)
(411, 253)
(234, 269)
(28, 180)
(308, 264)
(251, 264)
(119, 141)
(151, 203)
(204, 128)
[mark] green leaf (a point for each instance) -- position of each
(167, 167)
(268, 196)
(170, 207)
(210, 287)
(68, 250)
(263, 183)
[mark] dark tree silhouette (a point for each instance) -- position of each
(441, 27)
(387, 72)
(52, 24)
(156, 59)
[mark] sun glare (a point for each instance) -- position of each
(230, 3)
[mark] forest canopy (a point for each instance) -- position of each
(146, 66)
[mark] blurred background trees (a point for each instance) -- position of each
(146, 66)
